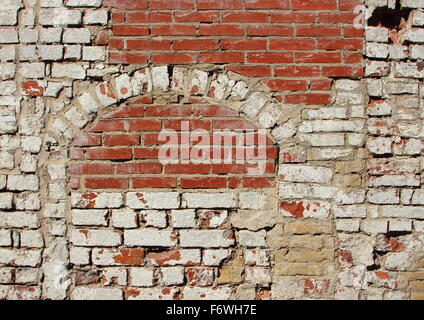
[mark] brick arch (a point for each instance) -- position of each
(113, 109)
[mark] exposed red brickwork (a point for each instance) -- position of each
(295, 46)
(121, 150)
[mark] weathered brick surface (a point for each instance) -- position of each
(89, 209)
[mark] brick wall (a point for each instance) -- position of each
(332, 112)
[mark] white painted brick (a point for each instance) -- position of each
(22, 183)
(28, 276)
(96, 200)
(57, 190)
(124, 218)
(7, 160)
(29, 163)
(141, 277)
(175, 257)
(261, 276)
(394, 181)
(86, 293)
(79, 256)
(153, 200)
(6, 199)
(76, 36)
(206, 238)
(257, 258)
(88, 103)
(55, 210)
(51, 53)
(51, 3)
(215, 257)
(212, 218)
(50, 35)
(114, 276)
(7, 71)
(398, 261)
(154, 294)
(23, 258)
(377, 34)
(31, 144)
(252, 239)
(183, 218)
(8, 36)
(160, 77)
(72, 71)
(350, 212)
(93, 53)
(374, 226)
(5, 238)
(34, 70)
(59, 17)
(89, 217)
(149, 238)
(348, 225)
(400, 225)
(300, 173)
(7, 53)
(252, 200)
(388, 196)
(83, 3)
(172, 276)
(403, 212)
(209, 200)
(94, 238)
(27, 201)
(73, 52)
(93, 17)
(155, 218)
(32, 239)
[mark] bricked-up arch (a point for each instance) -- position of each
(118, 187)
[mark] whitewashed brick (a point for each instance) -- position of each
(83, 3)
(155, 218)
(59, 17)
(72, 71)
(76, 36)
(114, 276)
(34, 70)
(389, 196)
(252, 239)
(374, 226)
(27, 201)
(217, 293)
(300, 173)
(93, 17)
(124, 218)
(6, 199)
(215, 257)
(172, 276)
(7, 160)
(23, 183)
(8, 36)
(5, 238)
(209, 200)
(25, 258)
(94, 238)
(32, 239)
(350, 212)
(96, 200)
(87, 293)
(183, 218)
(153, 200)
(79, 256)
(149, 238)
(400, 225)
(93, 53)
(175, 257)
(51, 53)
(403, 212)
(206, 238)
(89, 217)
(141, 277)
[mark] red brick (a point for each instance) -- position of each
(144, 125)
(146, 153)
(292, 44)
(108, 154)
(193, 124)
(219, 4)
(324, 84)
(336, 17)
(90, 168)
(106, 183)
(258, 182)
(269, 30)
(121, 140)
(173, 30)
(87, 140)
(186, 168)
(125, 30)
(195, 45)
(118, 17)
(292, 17)
(145, 17)
(153, 139)
(148, 44)
(270, 57)
(317, 31)
(126, 4)
(232, 125)
(138, 168)
(340, 44)
(352, 57)
(217, 111)
(76, 154)
(167, 4)
(286, 85)
(315, 4)
(174, 58)
(116, 44)
(243, 44)
(251, 71)
(343, 71)
(127, 58)
(309, 99)
(154, 182)
(196, 16)
(221, 30)
(109, 125)
(268, 4)
(199, 183)
(168, 111)
(297, 71)
(352, 32)
(74, 183)
(239, 168)
(318, 57)
(221, 57)
(245, 17)
(349, 5)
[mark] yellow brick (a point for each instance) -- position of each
(310, 256)
(308, 227)
(302, 269)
